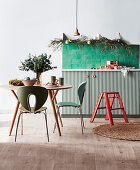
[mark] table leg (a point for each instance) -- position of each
(15, 114)
(54, 111)
(55, 102)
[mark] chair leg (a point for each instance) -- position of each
(82, 121)
(46, 125)
(54, 127)
(55, 122)
(21, 124)
(17, 126)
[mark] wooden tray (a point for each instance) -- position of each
(51, 85)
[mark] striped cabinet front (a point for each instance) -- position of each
(103, 81)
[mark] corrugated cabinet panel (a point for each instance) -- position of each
(109, 81)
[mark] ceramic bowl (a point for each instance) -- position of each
(29, 82)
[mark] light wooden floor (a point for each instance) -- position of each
(106, 153)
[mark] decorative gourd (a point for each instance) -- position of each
(16, 82)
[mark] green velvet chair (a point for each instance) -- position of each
(81, 91)
(41, 95)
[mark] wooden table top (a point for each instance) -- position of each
(11, 87)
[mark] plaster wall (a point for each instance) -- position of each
(27, 26)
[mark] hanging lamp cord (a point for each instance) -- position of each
(76, 12)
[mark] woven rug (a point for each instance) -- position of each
(124, 131)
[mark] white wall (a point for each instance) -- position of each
(27, 26)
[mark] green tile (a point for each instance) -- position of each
(86, 56)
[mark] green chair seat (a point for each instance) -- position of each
(32, 110)
(64, 104)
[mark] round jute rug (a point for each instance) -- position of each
(124, 131)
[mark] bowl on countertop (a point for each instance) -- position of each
(29, 82)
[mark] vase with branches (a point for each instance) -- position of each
(37, 64)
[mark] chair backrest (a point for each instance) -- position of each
(81, 91)
(40, 93)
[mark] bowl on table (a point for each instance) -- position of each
(29, 82)
(16, 82)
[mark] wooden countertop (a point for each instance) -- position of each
(98, 70)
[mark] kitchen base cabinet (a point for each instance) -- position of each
(103, 81)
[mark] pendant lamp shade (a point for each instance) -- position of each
(76, 32)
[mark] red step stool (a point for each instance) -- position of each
(109, 106)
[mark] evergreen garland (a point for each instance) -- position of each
(108, 44)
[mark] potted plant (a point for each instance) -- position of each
(37, 64)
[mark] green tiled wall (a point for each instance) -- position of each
(86, 57)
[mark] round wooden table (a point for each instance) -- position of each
(52, 91)
(52, 94)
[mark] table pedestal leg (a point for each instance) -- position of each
(54, 111)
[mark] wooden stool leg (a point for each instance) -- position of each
(111, 103)
(121, 106)
(96, 107)
(108, 108)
